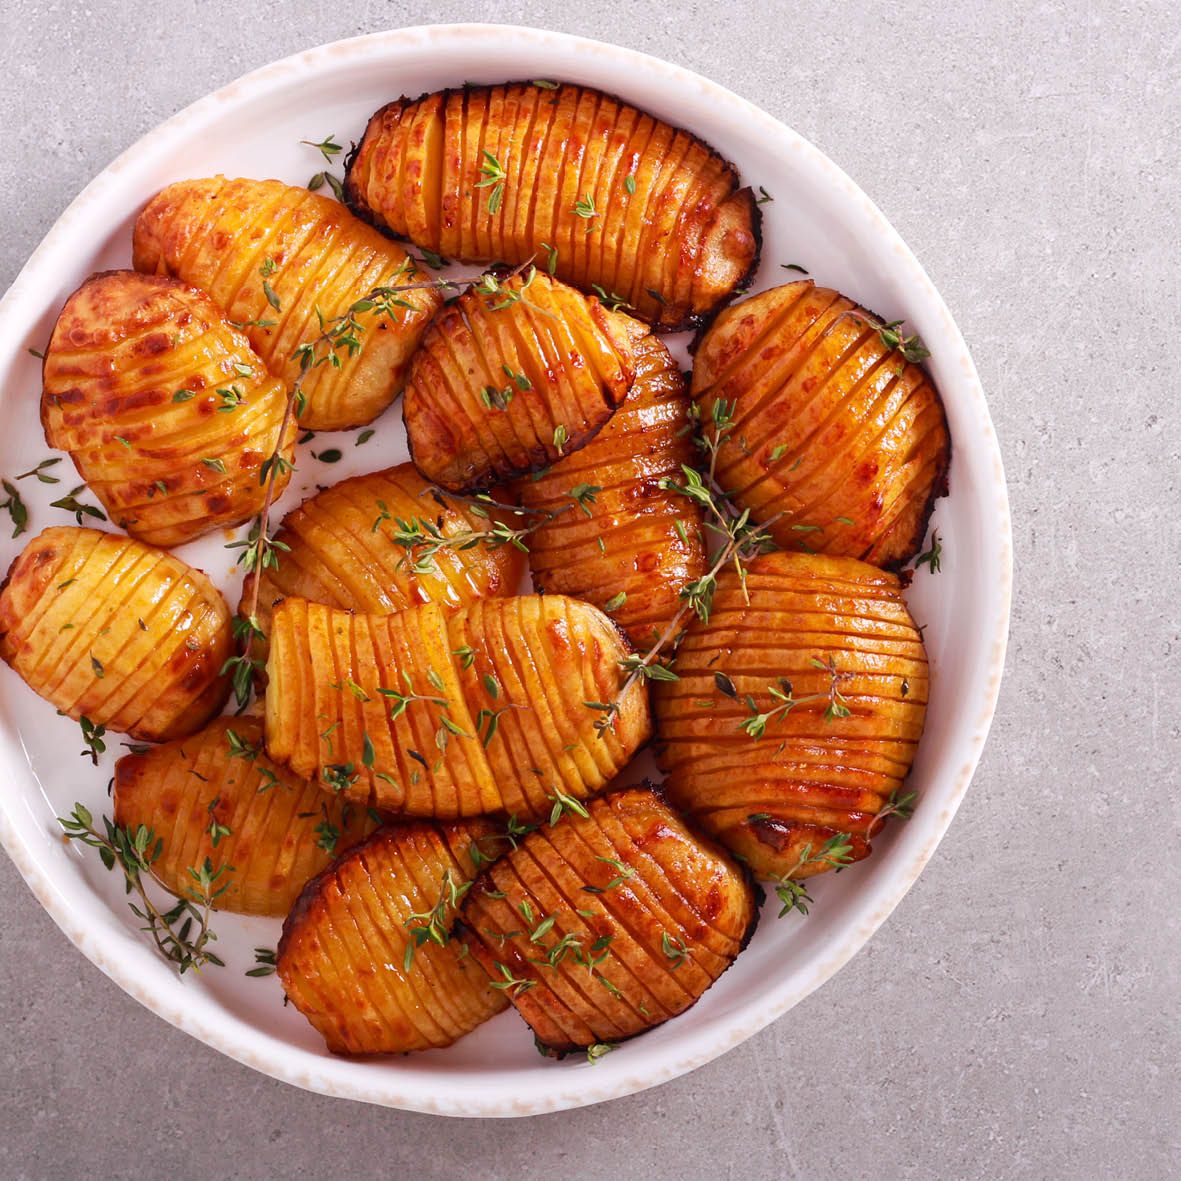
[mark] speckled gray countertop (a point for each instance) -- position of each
(1020, 1014)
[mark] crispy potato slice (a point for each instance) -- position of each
(166, 410)
(833, 431)
(107, 628)
(481, 711)
(339, 550)
(833, 635)
(635, 545)
(365, 954)
(601, 926)
(511, 172)
(275, 258)
(216, 795)
(502, 379)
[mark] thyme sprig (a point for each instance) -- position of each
(434, 925)
(891, 335)
(933, 556)
(782, 693)
(835, 853)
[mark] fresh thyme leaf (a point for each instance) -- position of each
(17, 509)
(793, 266)
(599, 1050)
(327, 147)
(932, 557)
(629, 183)
(615, 602)
(364, 437)
(264, 957)
(71, 504)
(40, 471)
(763, 197)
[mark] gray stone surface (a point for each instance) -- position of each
(1018, 1016)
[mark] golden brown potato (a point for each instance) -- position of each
(275, 258)
(631, 549)
(216, 795)
(110, 629)
(506, 383)
(831, 428)
(775, 781)
(366, 955)
(339, 550)
(514, 172)
(166, 410)
(603, 925)
(449, 716)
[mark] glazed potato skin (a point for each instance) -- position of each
(494, 380)
(166, 410)
(277, 823)
(808, 778)
(108, 628)
(635, 538)
(603, 926)
(342, 959)
(334, 681)
(630, 203)
(237, 239)
(845, 438)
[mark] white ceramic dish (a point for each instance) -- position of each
(818, 219)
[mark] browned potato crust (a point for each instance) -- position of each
(832, 429)
(513, 172)
(334, 708)
(166, 410)
(110, 629)
(601, 926)
(226, 236)
(219, 797)
(344, 960)
(777, 799)
(501, 388)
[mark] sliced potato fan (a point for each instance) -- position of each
(110, 629)
(507, 382)
(828, 430)
(216, 796)
(481, 711)
(607, 922)
(520, 171)
(365, 955)
(276, 259)
(165, 408)
(797, 714)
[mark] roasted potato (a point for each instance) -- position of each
(365, 954)
(216, 795)
(428, 714)
(277, 258)
(617, 199)
(506, 383)
(832, 433)
(339, 549)
(633, 547)
(607, 922)
(110, 629)
(166, 410)
(795, 716)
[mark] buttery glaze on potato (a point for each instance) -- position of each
(216, 795)
(256, 243)
(505, 385)
(166, 410)
(107, 628)
(777, 799)
(634, 539)
(333, 711)
(600, 927)
(832, 429)
(629, 203)
(342, 957)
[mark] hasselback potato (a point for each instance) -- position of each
(602, 925)
(829, 426)
(166, 410)
(773, 780)
(633, 546)
(431, 714)
(507, 382)
(521, 170)
(216, 795)
(276, 258)
(110, 629)
(365, 954)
